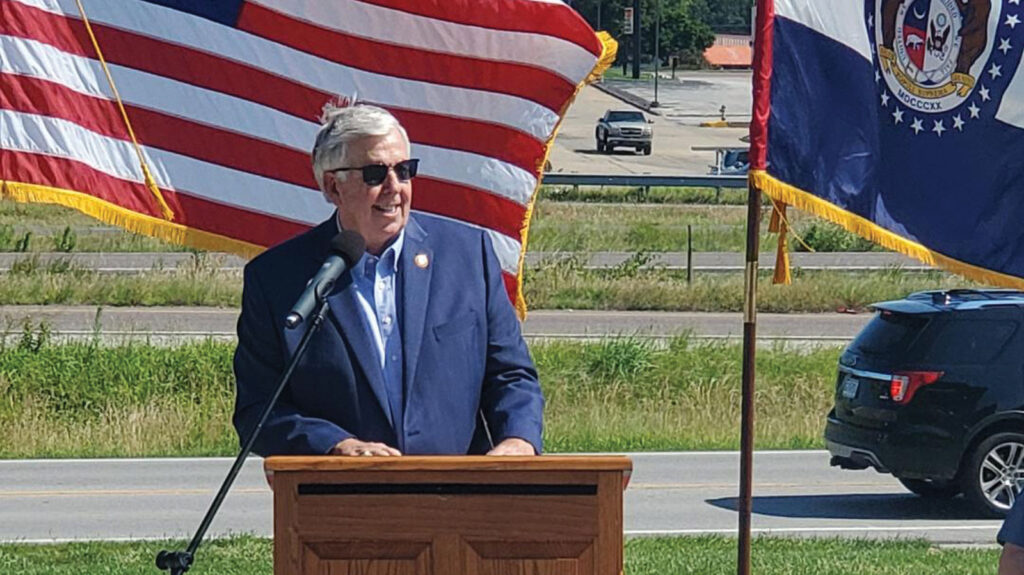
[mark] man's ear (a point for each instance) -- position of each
(331, 187)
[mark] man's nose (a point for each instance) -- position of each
(390, 183)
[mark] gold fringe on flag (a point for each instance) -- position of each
(130, 220)
(802, 200)
(780, 225)
(609, 47)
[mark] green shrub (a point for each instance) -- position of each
(828, 237)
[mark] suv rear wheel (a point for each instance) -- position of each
(931, 489)
(994, 475)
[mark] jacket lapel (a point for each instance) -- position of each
(348, 315)
(417, 264)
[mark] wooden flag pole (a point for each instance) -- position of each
(749, 351)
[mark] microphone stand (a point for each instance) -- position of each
(179, 562)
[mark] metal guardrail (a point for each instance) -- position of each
(641, 180)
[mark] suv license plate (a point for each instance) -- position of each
(850, 385)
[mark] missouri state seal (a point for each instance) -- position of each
(931, 52)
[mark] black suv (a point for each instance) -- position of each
(932, 391)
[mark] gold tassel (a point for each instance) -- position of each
(775, 223)
(807, 202)
(780, 225)
(147, 176)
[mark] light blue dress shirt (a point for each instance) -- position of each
(375, 280)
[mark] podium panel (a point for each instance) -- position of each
(448, 515)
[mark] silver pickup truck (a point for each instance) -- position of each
(624, 128)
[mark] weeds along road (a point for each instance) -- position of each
(169, 324)
(796, 493)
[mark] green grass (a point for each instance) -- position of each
(631, 195)
(18, 214)
(562, 284)
(642, 556)
(84, 400)
(48, 228)
(199, 282)
(617, 227)
(615, 73)
(658, 223)
(780, 556)
(611, 227)
(241, 555)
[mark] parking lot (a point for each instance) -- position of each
(686, 102)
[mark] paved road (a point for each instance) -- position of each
(674, 137)
(796, 493)
(175, 323)
(697, 96)
(702, 261)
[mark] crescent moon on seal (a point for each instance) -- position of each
(919, 16)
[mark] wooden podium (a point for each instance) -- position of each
(546, 515)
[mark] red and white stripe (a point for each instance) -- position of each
(226, 116)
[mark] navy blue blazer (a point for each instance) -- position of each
(1012, 530)
(462, 345)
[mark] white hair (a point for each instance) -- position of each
(342, 126)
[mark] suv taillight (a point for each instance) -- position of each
(906, 383)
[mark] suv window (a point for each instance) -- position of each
(736, 158)
(625, 117)
(970, 341)
(889, 333)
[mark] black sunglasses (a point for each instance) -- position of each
(375, 174)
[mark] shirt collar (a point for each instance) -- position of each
(395, 248)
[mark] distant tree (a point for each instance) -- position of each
(684, 33)
(725, 16)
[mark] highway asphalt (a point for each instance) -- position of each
(796, 493)
(112, 262)
(159, 324)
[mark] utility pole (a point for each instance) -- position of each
(636, 39)
(657, 55)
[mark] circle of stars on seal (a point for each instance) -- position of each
(989, 77)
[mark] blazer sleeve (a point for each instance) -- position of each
(511, 397)
(1013, 528)
(259, 364)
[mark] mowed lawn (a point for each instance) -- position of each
(643, 556)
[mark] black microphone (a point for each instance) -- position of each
(346, 249)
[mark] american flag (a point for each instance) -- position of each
(223, 99)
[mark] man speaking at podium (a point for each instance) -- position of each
(421, 345)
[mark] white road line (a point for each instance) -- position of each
(862, 529)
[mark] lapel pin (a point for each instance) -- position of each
(421, 261)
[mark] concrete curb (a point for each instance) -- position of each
(724, 124)
(631, 99)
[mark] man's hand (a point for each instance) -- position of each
(1012, 560)
(513, 446)
(355, 447)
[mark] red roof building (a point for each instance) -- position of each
(730, 51)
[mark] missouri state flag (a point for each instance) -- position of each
(902, 120)
(192, 120)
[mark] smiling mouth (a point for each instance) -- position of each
(387, 210)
